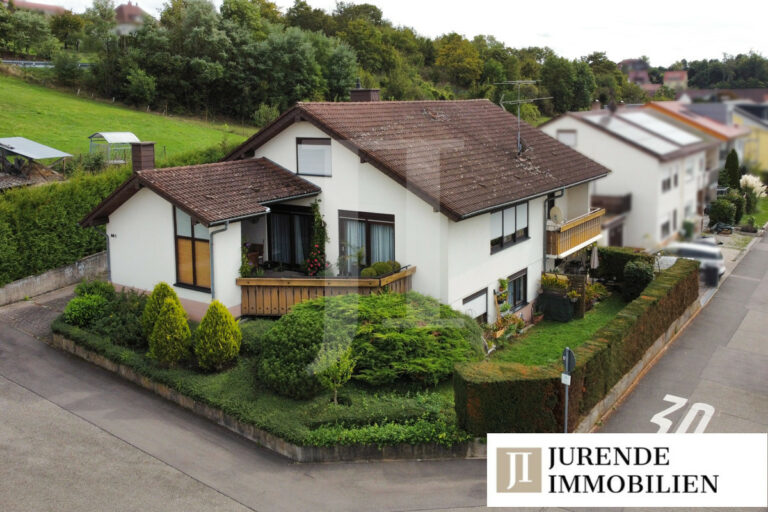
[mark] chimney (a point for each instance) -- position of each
(596, 105)
(360, 94)
(142, 156)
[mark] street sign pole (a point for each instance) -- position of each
(569, 363)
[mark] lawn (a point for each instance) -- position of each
(64, 121)
(544, 343)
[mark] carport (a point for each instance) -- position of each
(20, 162)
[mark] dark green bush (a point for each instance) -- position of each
(154, 304)
(122, 321)
(739, 202)
(253, 331)
(394, 338)
(382, 267)
(637, 275)
(612, 261)
(722, 210)
(511, 397)
(95, 287)
(170, 341)
(217, 338)
(368, 272)
(39, 227)
(84, 311)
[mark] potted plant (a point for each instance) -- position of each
(504, 307)
(573, 295)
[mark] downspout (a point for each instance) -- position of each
(213, 282)
(109, 263)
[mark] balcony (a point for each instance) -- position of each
(274, 296)
(614, 205)
(574, 234)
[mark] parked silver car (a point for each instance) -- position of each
(708, 255)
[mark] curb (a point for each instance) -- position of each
(354, 453)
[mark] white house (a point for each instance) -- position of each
(440, 186)
(659, 170)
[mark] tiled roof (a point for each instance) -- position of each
(459, 156)
(128, 13)
(212, 193)
(679, 111)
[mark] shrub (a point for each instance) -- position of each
(169, 342)
(637, 275)
(66, 68)
(596, 291)
(382, 267)
(394, 337)
(122, 321)
(554, 282)
(217, 339)
(333, 368)
(612, 261)
(732, 168)
(368, 272)
(96, 287)
(688, 228)
(738, 201)
(253, 332)
(94, 162)
(83, 311)
(155, 304)
(265, 114)
(395, 265)
(722, 210)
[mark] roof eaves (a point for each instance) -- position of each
(93, 218)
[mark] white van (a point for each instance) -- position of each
(708, 256)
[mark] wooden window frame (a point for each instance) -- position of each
(176, 237)
(516, 306)
(515, 239)
(313, 141)
(368, 218)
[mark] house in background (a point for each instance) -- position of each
(129, 18)
(676, 80)
(755, 118)
(46, 9)
(440, 186)
(658, 170)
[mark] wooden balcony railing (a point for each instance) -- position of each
(274, 296)
(574, 232)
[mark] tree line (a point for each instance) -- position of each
(248, 60)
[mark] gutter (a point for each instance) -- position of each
(109, 262)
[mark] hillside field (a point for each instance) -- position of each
(64, 121)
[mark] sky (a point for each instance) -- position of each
(665, 31)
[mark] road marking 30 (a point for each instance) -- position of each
(665, 424)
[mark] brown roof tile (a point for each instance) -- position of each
(460, 156)
(213, 193)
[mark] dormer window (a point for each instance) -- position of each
(313, 156)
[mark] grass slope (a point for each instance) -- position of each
(64, 121)
(545, 342)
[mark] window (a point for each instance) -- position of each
(193, 252)
(364, 239)
(313, 156)
(688, 210)
(674, 178)
(289, 234)
(509, 226)
(518, 289)
(665, 227)
(567, 137)
(666, 180)
(689, 171)
(674, 220)
(476, 305)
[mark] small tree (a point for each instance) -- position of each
(154, 304)
(169, 342)
(217, 339)
(140, 87)
(637, 275)
(732, 167)
(66, 68)
(333, 368)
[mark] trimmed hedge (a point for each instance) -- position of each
(39, 227)
(612, 261)
(511, 397)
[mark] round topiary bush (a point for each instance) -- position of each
(368, 272)
(170, 340)
(723, 211)
(382, 267)
(217, 339)
(393, 337)
(101, 288)
(154, 304)
(85, 310)
(637, 275)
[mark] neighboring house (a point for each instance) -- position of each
(676, 80)
(658, 171)
(437, 185)
(129, 17)
(755, 118)
(46, 9)
(730, 136)
(755, 95)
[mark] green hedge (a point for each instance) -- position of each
(511, 397)
(612, 261)
(39, 227)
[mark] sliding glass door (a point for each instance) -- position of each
(364, 239)
(290, 235)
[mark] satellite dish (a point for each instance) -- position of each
(556, 215)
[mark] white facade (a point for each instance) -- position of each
(644, 176)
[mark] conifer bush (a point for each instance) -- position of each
(170, 340)
(217, 339)
(154, 304)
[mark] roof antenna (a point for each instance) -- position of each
(518, 102)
